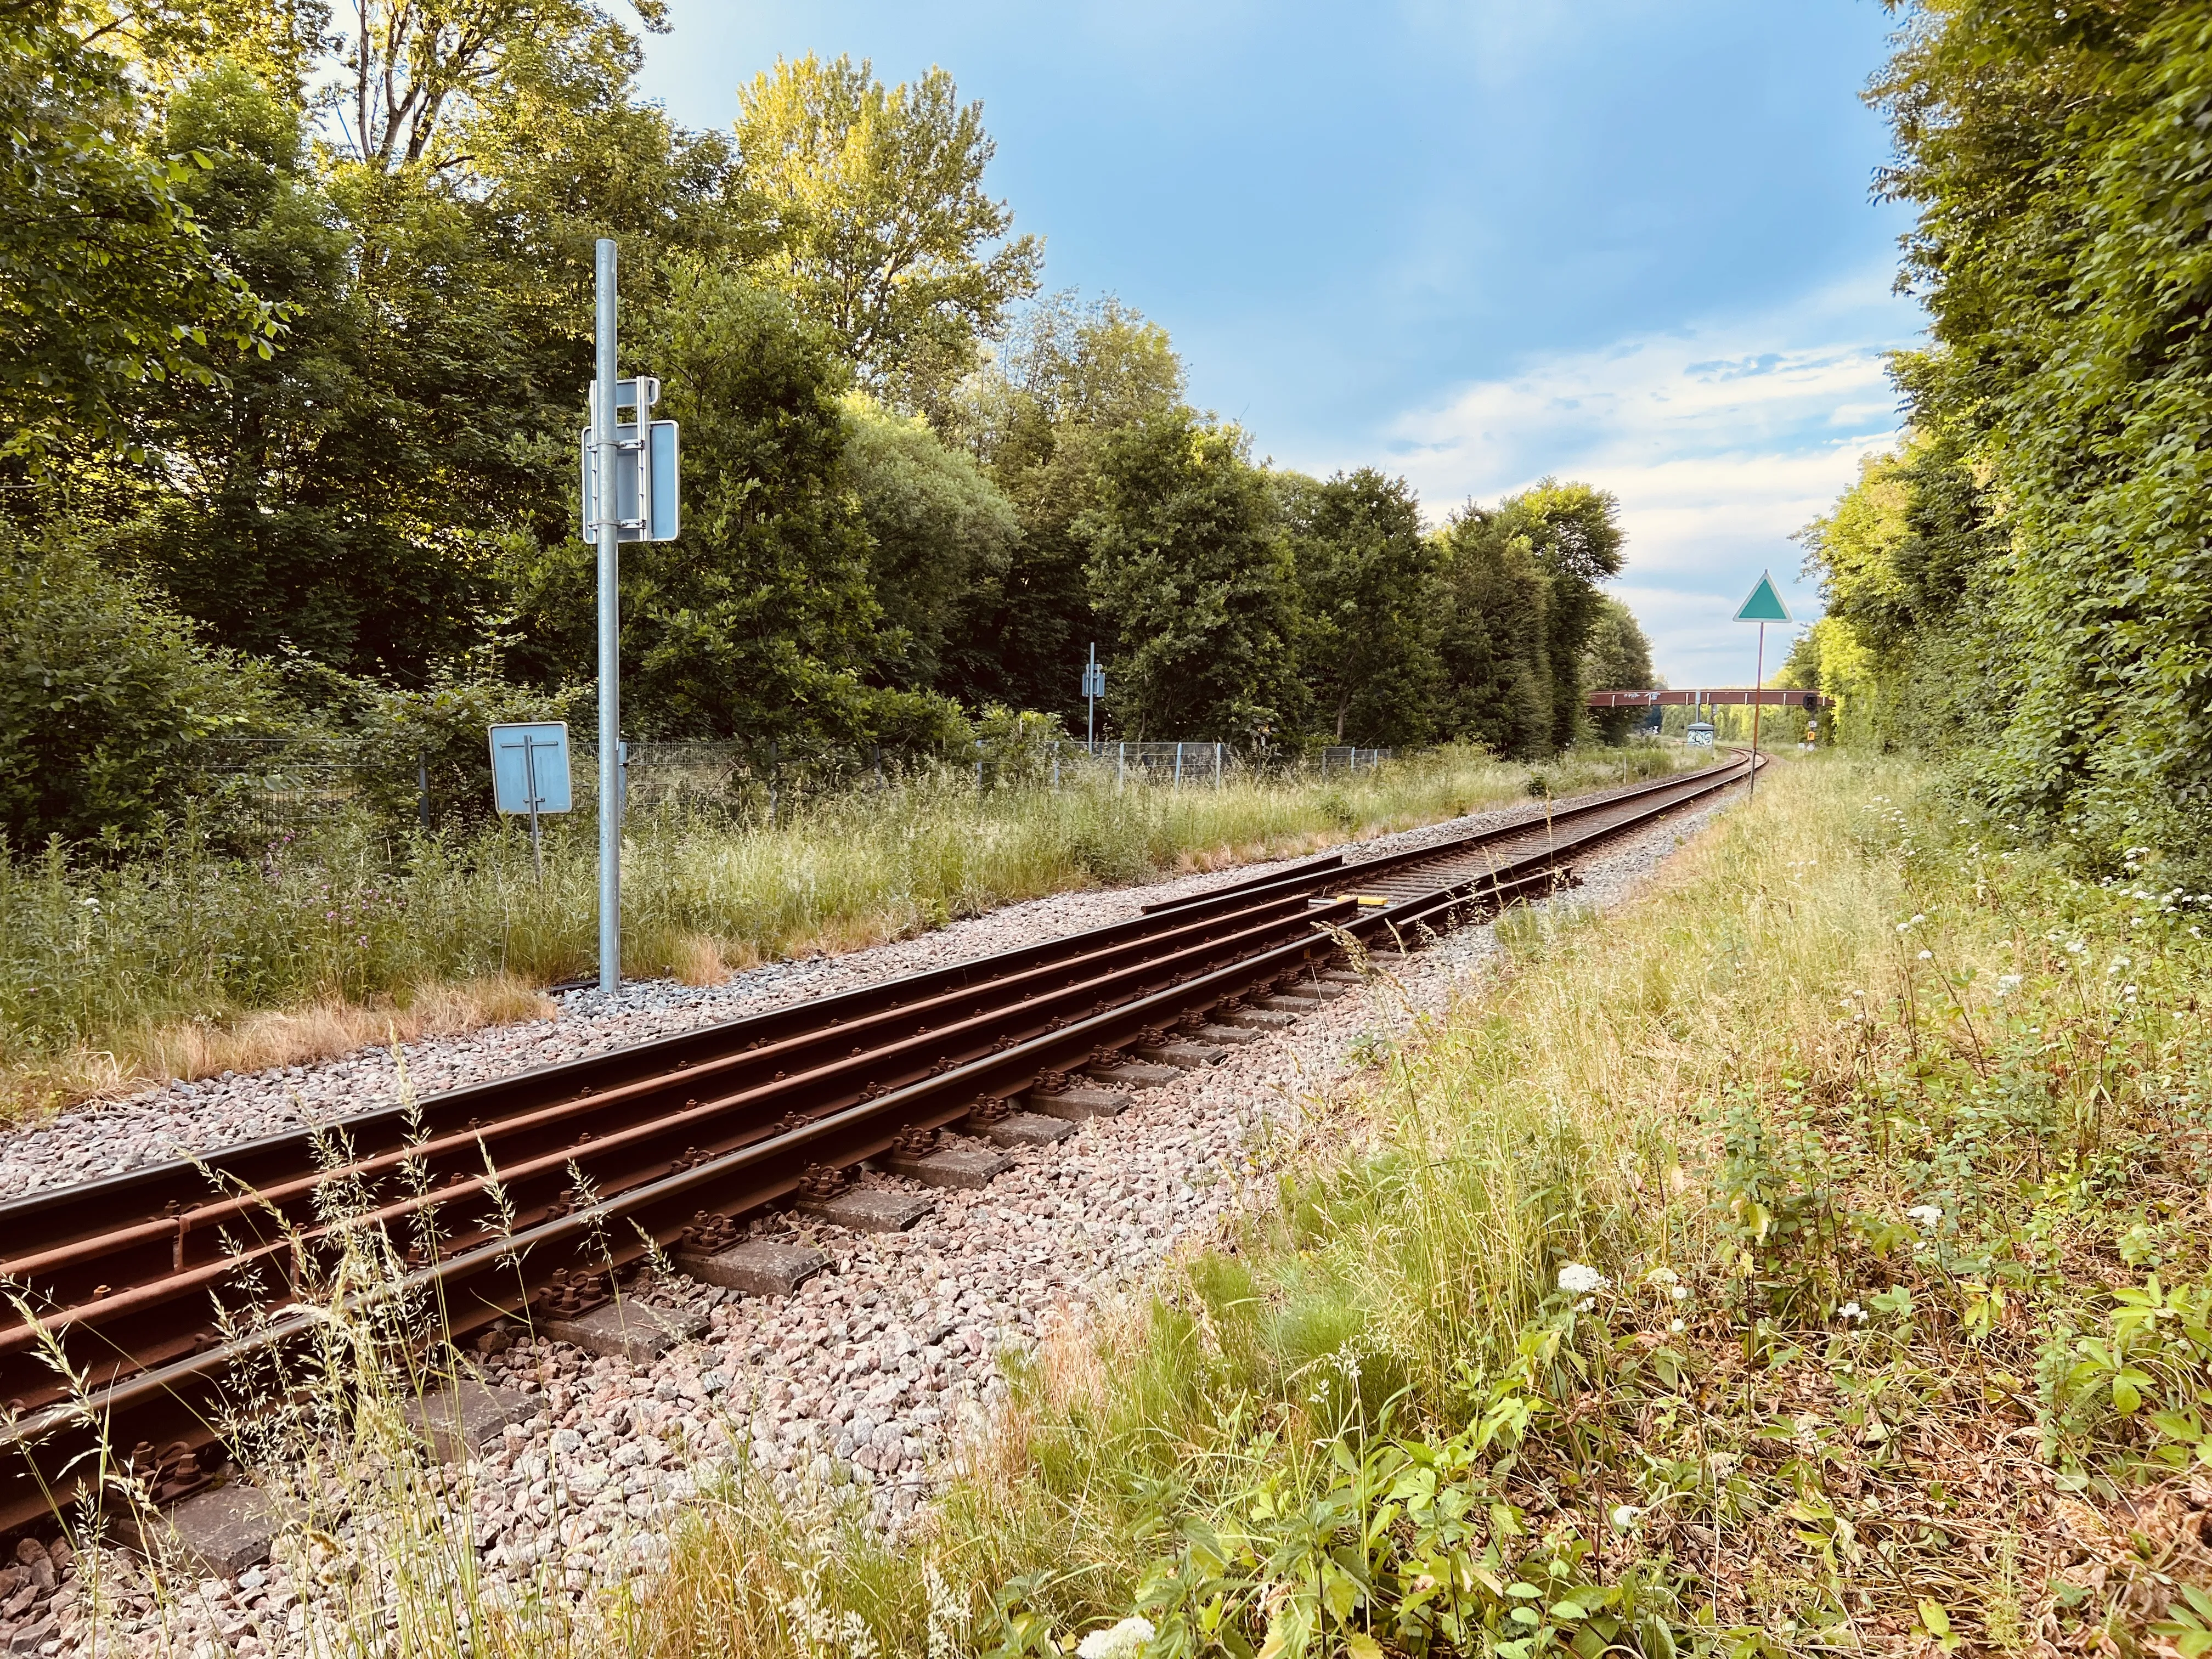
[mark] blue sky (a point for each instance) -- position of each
(1623, 240)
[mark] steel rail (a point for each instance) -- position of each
(150, 1277)
(1333, 871)
(942, 1042)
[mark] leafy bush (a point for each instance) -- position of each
(105, 694)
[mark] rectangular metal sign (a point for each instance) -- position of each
(530, 758)
(1094, 680)
(647, 501)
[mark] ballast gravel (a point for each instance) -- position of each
(854, 1395)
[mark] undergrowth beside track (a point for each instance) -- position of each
(191, 961)
(1809, 1257)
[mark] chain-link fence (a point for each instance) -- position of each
(264, 786)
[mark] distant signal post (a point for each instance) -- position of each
(1094, 687)
(1764, 606)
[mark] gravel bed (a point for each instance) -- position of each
(101, 1138)
(851, 1395)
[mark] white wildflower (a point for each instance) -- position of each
(1120, 1641)
(948, 1616)
(1678, 1326)
(1851, 1311)
(1579, 1278)
(2007, 984)
(1926, 1214)
(1664, 1276)
(1927, 956)
(2074, 947)
(89, 903)
(1625, 1516)
(1917, 918)
(1680, 1293)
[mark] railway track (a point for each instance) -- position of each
(132, 1299)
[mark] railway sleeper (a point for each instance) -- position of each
(1255, 1019)
(1131, 1073)
(937, 1159)
(997, 1121)
(1189, 1056)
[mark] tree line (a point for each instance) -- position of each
(2023, 584)
(292, 376)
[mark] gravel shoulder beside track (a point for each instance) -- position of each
(856, 1390)
(104, 1138)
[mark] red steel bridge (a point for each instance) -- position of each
(1765, 696)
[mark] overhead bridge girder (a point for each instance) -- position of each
(1766, 696)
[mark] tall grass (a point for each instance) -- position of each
(190, 960)
(1809, 1257)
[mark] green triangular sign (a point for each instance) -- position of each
(1765, 604)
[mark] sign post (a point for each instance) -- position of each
(629, 495)
(1094, 687)
(530, 775)
(600, 515)
(1764, 606)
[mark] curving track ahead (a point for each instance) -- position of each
(531, 1191)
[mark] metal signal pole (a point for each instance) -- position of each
(1758, 679)
(1765, 605)
(1090, 702)
(608, 532)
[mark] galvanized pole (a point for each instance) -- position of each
(609, 531)
(1757, 677)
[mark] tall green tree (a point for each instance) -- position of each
(1573, 530)
(107, 279)
(871, 200)
(1492, 604)
(1518, 601)
(1617, 657)
(2061, 167)
(1364, 571)
(1189, 560)
(410, 75)
(1039, 417)
(942, 533)
(343, 498)
(355, 497)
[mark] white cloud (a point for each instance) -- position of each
(1721, 440)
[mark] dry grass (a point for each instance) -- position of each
(273, 1037)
